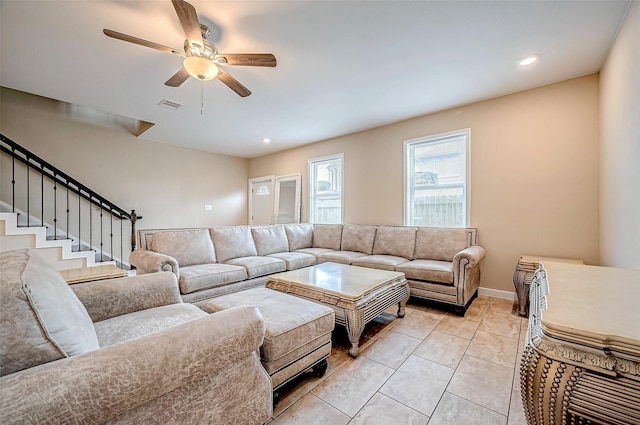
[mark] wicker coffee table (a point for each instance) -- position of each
(356, 294)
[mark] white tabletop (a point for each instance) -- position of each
(348, 281)
(593, 305)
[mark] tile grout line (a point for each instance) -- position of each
(385, 331)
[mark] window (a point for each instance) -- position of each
(262, 190)
(325, 189)
(436, 180)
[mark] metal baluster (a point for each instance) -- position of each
(13, 180)
(121, 243)
(28, 193)
(101, 233)
(55, 208)
(42, 195)
(79, 222)
(111, 232)
(67, 229)
(90, 227)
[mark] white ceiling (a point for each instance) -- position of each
(343, 66)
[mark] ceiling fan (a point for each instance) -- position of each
(201, 58)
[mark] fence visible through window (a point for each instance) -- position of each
(325, 191)
(436, 180)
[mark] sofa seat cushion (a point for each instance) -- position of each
(342, 257)
(382, 262)
(270, 239)
(259, 266)
(437, 291)
(295, 260)
(429, 270)
(205, 276)
(290, 323)
(395, 240)
(314, 251)
(299, 235)
(358, 238)
(42, 318)
(143, 322)
(233, 242)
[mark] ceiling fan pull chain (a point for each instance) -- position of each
(201, 96)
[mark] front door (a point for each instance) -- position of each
(261, 200)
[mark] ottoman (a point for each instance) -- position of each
(297, 332)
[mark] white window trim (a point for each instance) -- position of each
(311, 182)
(405, 176)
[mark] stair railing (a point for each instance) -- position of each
(75, 205)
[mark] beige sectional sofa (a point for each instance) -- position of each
(125, 351)
(440, 264)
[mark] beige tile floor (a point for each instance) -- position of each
(428, 367)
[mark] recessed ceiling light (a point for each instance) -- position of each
(528, 60)
(266, 140)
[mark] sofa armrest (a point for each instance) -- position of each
(109, 298)
(146, 261)
(466, 273)
(145, 376)
(471, 256)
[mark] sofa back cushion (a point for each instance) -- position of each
(299, 235)
(42, 318)
(188, 246)
(358, 238)
(398, 241)
(233, 242)
(270, 239)
(440, 244)
(327, 236)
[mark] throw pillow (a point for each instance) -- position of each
(42, 318)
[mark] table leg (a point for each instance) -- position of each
(355, 327)
(402, 304)
(521, 281)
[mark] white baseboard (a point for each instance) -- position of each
(496, 293)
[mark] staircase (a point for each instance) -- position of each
(69, 224)
(59, 252)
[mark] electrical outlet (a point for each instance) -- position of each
(208, 208)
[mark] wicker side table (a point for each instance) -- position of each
(522, 276)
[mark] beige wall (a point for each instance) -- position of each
(620, 148)
(534, 173)
(166, 184)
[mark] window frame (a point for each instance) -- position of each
(409, 178)
(312, 163)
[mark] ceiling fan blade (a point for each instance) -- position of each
(189, 21)
(247, 59)
(145, 43)
(233, 84)
(178, 78)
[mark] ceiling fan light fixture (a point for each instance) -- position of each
(200, 68)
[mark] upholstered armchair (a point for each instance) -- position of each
(123, 351)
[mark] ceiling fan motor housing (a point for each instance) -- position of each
(200, 58)
(208, 51)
